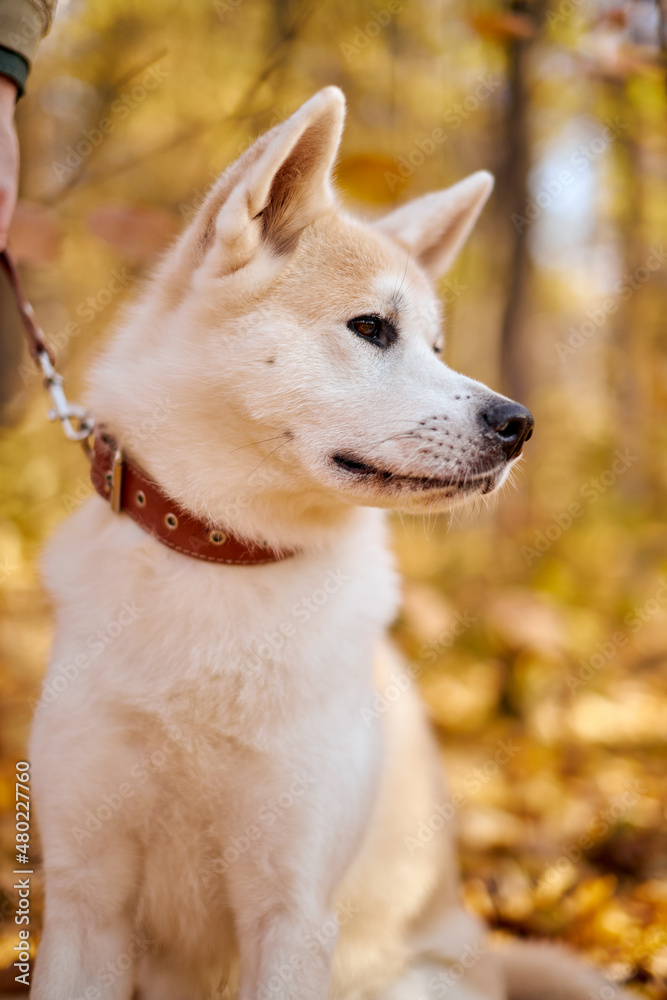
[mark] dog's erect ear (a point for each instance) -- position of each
(435, 227)
(279, 185)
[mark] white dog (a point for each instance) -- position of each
(220, 811)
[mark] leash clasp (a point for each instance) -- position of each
(63, 410)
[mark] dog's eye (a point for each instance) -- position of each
(366, 326)
(374, 328)
(437, 349)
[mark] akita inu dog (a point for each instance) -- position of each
(220, 811)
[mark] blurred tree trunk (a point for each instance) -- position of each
(629, 337)
(662, 34)
(513, 191)
(287, 19)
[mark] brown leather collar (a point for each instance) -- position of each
(131, 491)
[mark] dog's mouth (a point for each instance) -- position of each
(482, 482)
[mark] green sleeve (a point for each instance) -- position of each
(23, 23)
(15, 67)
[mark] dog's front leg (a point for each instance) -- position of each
(82, 954)
(88, 946)
(288, 836)
(287, 954)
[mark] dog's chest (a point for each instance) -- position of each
(247, 652)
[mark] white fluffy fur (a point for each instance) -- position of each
(218, 806)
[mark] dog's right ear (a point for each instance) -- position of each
(279, 185)
(433, 228)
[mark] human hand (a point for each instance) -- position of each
(9, 157)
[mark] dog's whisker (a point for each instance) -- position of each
(253, 444)
(281, 444)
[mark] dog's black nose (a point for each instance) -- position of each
(511, 423)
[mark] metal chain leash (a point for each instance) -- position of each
(75, 420)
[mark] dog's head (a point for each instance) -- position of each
(293, 349)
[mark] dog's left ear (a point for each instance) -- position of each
(279, 186)
(434, 227)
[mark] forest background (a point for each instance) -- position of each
(536, 623)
